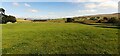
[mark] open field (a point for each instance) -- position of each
(58, 38)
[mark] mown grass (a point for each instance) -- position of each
(58, 38)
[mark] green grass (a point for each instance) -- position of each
(58, 38)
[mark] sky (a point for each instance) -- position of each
(60, 8)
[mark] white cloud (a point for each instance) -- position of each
(91, 5)
(58, 0)
(81, 0)
(110, 4)
(15, 4)
(87, 11)
(102, 5)
(99, 0)
(27, 5)
(33, 10)
(94, 0)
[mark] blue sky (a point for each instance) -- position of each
(58, 9)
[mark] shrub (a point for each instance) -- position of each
(113, 20)
(119, 21)
(93, 18)
(105, 18)
(97, 17)
(69, 20)
(99, 21)
(4, 19)
(9, 18)
(89, 21)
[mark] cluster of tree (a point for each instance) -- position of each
(94, 18)
(109, 20)
(98, 19)
(69, 20)
(4, 19)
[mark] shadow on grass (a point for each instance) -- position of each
(115, 27)
(90, 23)
(103, 25)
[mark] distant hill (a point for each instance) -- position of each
(104, 15)
(99, 18)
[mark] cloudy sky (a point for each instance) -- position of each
(59, 8)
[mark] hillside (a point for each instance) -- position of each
(100, 18)
(103, 15)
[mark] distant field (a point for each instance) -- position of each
(58, 38)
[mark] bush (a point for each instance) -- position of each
(118, 22)
(9, 18)
(89, 21)
(113, 20)
(69, 20)
(105, 18)
(102, 21)
(99, 21)
(97, 17)
(93, 18)
(4, 19)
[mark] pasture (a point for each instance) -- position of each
(58, 38)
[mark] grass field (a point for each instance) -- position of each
(58, 38)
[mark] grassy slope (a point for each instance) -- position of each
(34, 38)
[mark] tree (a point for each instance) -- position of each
(4, 18)
(11, 19)
(92, 18)
(2, 11)
(105, 18)
(112, 20)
